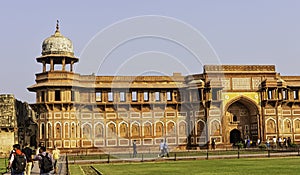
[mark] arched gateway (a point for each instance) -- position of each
(235, 136)
(241, 120)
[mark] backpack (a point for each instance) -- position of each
(19, 163)
(46, 163)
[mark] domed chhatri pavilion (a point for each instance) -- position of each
(227, 103)
(58, 50)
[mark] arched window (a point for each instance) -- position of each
(67, 135)
(200, 128)
(73, 130)
(234, 118)
(123, 130)
(182, 129)
(86, 131)
(171, 129)
(42, 136)
(111, 130)
(159, 129)
(99, 131)
(215, 128)
(147, 129)
(287, 126)
(135, 130)
(78, 130)
(57, 131)
(271, 128)
(49, 132)
(297, 126)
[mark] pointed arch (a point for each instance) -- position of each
(242, 113)
(79, 130)
(58, 130)
(42, 130)
(87, 131)
(49, 130)
(182, 131)
(99, 130)
(111, 129)
(171, 128)
(200, 127)
(287, 126)
(215, 127)
(73, 130)
(297, 125)
(271, 125)
(251, 104)
(147, 129)
(159, 129)
(123, 129)
(66, 130)
(135, 129)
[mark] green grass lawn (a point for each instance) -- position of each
(76, 170)
(3, 165)
(265, 166)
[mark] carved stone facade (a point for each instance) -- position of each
(226, 102)
(17, 123)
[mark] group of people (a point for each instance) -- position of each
(273, 142)
(280, 142)
(21, 161)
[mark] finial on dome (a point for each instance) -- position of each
(57, 26)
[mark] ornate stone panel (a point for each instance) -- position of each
(241, 83)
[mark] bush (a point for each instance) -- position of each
(239, 145)
(293, 145)
(262, 146)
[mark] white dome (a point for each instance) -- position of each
(57, 44)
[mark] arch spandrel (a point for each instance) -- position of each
(252, 104)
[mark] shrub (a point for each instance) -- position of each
(262, 146)
(293, 145)
(239, 145)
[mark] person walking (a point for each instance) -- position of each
(166, 149)
(258, 142)
(274, 142)
(45, 161)
(213, 143)
(285, 143)
(161, 148)
(289, 142)
(268, 143)
(56, 155)
(134, 148)
(248, 143)
(17, 162)
(280, 142)
(28, 153)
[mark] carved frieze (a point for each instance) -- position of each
(241, 83)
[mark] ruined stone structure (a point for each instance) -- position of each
(227, 103)
(17, 123)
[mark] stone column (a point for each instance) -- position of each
(51, 64)
(63, 64)
(44, 66)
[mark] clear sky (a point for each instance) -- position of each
(240, 32)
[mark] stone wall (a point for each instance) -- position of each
(6, 142)
(17, 123)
